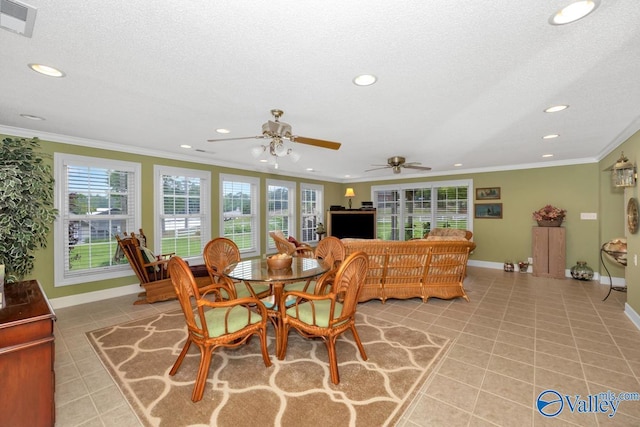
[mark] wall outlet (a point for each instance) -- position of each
(588, 215)
(530, 260)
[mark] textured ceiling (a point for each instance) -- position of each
(458, 81)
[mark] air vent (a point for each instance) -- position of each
(17, 17)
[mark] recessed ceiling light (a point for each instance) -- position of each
(556, 108)
(31, 117)
(222, 130)
(457, 165)
(263, 160)
(365, 80)
(309, 169)
(547, 155)
(553, 135)
(46, 70)
(185, 146)
(576, 10)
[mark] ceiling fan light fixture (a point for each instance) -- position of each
(573, 12)
(257, 151)
(365, 80)
(294, 156)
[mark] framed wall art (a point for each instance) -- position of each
(488, 210)
(488, 193)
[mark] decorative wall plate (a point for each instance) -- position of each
(632, 215)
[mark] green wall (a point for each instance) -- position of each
(44, 262)
(614, 202)
(576, 188)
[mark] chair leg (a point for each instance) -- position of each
(263, 346)
(358, 342)
(180, 358)
(333, 359)
(203, 372)
(283, 338)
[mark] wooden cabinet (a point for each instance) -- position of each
(549, 248)
(26, 357)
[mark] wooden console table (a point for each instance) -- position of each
(26, 356)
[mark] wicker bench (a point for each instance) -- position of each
(415, 268)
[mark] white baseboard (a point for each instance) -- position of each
(632, 314)
(94, 296)
(603, 280)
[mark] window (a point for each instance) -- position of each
(311, 209)
(281, 208)
(182, 210)
(409, 211)
(96, 199)
(240, 201)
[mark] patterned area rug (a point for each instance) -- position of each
(241, 391)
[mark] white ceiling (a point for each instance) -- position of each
(458, 81)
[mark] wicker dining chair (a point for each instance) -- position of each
(328, 316)
(218, 254)
(330, 250)
(213, 322)
(284, 246)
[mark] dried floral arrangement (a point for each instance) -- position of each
(549, 213)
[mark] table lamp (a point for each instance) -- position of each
(349, 194)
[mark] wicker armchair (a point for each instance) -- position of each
(284, 246)
(150, 269)
(328, 316)
(220, 253)
(213, 323)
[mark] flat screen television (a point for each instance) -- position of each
(352, 224)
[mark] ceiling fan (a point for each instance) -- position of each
(277, 131)
(397, 163)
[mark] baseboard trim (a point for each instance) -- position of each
(72, 300)
(632, 315)
(602, 280)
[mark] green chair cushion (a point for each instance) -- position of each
(268, 302)
(322, 308)
(297, 286)
(237, 319)
(243, 292)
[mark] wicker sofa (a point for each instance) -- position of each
(415, 268)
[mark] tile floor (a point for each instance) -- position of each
(519, 335)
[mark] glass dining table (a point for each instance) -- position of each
(257, 271)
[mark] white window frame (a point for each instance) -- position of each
(62, 276)
(317, 214)
(291, 214)
(254, 217)
(205, 206)
(400, 188)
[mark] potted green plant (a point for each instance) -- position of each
(26, 204)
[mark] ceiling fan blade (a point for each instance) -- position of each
(241, 137)
(375, 169)
(316, 142)
(413, 166)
